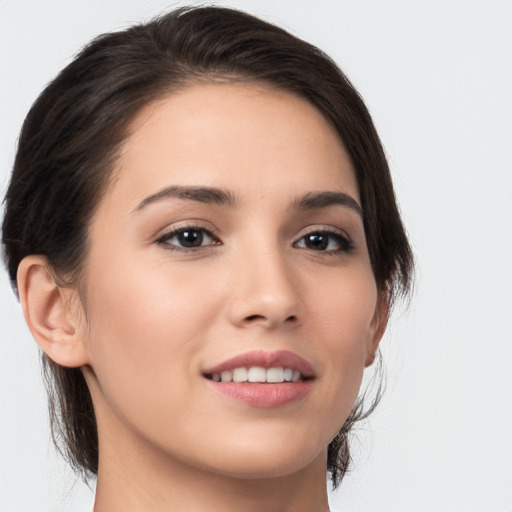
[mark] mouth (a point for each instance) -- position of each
(258, 374)
(260, 366)
(263, 379)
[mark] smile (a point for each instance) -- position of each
(258, 374)
(263, 379)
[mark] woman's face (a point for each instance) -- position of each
(229, 246)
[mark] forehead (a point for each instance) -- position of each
(249, 137)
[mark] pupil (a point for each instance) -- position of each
(317, 241)
(191, 238)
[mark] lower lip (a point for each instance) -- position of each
(264, 394)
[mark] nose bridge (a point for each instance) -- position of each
(263, 286)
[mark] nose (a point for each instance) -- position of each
(264, 291)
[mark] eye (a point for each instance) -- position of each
(187, 238)
(326, 241)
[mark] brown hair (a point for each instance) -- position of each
(71, 137)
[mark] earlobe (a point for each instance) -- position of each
(378, 327)
(46, 307)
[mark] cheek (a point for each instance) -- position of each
(146, 329)
(345, 313)
(344, 309)
(154, 303)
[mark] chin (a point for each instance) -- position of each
(267, 457)
(276, 466)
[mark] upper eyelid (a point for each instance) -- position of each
(180, 227)
(214, 232)
(325, 229)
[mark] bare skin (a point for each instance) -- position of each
(232, 227)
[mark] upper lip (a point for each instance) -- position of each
(280, 358)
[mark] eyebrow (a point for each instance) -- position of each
(209, 195)
(324, 199)
(222, 197)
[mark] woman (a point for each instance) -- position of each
(203, 233)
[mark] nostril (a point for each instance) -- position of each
(257, 318)
(252, 318)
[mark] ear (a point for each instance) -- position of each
(49, 314)
(378, 326)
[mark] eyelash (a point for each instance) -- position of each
(345, 245)
(178, 230)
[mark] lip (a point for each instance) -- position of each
(280, 358)
(264, 394)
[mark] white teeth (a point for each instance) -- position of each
(240, 375)
(275, 375)
(258, 374)
(226, 376)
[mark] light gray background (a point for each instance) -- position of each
(437, 78)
